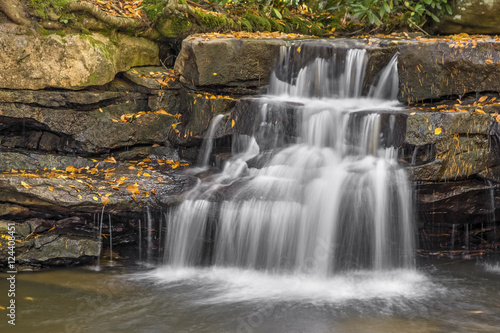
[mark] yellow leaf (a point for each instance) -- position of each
(100, 109)
(95, 198)
(79, 197)
(51, 228)
(437, 131)
(232, 123)
(298, 49)
(25, 184)
(51, 188)
(2, 308)
(145, 174)
(215, 73)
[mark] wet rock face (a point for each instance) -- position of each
(444, 146)
(472, 16)
(440, 70)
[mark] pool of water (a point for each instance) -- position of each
(446, 295)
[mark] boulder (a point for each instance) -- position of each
(456, 145)
(227, 62)
(86, 129)
(471, 16)
(448, 69)
(74, 61)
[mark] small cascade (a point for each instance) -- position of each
(335, 200)
(387, 87)
(206, 148)
(99, 236)
(110, 241)
(140, 241)
(491, 218)
(150, 221)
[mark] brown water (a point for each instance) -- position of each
(442, 296)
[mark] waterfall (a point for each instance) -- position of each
(206, 147)
(335, 200)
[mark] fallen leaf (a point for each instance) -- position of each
(110, 159)
(145, 174)
(104, 200)
(51, 188)
(437, 131)
(232, 123)
(25, 184)
(482, 99)
(488, 61)
(79, 197)
(95, 198)
(134, 189)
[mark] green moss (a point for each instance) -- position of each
(275, 26)
(245, 25)
(214, 21)
(92, 80)
(258, 23)
(173, 26)
(153, 8)
(102, 47)
(44, 8)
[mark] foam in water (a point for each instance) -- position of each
(229, 285)
(333, 202)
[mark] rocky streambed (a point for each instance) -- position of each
(92, 124)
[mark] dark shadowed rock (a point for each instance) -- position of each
(435, 70)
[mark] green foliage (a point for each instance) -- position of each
(398, 12)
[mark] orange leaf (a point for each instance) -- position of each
(110, 159)
(482, 99)
(104, 200)
(488, 61)
(134, 189)
(51, 188)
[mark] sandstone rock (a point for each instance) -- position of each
(245, 62)
(32, 61)
(436, 70)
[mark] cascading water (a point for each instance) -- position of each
(335, 200)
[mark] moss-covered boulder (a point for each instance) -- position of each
(75, 61)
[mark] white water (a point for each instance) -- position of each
(206, 148)
(334, 208)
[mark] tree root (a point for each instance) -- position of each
(174, 8)
(14, 11)
(117, 22)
